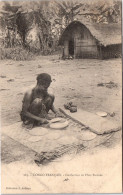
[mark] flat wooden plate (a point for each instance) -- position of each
(53, 135)
(38, 131)
(103, 114)
(59, 125)
(87, 135)
(56, 120)
(35, 138)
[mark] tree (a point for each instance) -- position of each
(104, 12)
(50, 18)
(23, 23)
(66, 11)
(43, 25)
(15, 19)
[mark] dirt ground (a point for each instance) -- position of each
(80, 81)
(73, 80)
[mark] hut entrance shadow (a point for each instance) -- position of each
(71, 47)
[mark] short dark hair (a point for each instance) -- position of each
(44, 77)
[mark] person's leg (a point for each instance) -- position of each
(41, 108)
(48, 102)
(36, 109)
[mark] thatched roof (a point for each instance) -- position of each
(105, 34)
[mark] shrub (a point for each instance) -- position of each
(17, 53)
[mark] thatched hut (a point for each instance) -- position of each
(81, 40)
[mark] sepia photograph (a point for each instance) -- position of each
(61, 96)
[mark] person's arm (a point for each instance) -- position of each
(56, 112)
(26, 105)
(53, 109)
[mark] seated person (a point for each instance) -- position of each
(37, 102)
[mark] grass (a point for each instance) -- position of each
(21, 54)
(17, 54)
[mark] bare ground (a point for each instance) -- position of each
(73, 80)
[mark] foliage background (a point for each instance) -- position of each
(34, 27)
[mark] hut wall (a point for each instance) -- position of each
(66, 48)
(85, 44)
(111, 51)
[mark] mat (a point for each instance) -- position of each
(35, 142)
(38, 139)
(53, 144)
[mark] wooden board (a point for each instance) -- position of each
(96, 123)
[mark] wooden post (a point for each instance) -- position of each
(74, 47)
(66, 52)
(100, 52)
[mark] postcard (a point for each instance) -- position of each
(61, 96)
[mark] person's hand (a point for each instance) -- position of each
(58, 114)
(44, 121)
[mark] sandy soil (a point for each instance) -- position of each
(96, 171)
(73, 80)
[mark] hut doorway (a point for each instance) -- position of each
(71, 47)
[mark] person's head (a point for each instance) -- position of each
(44, 80)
